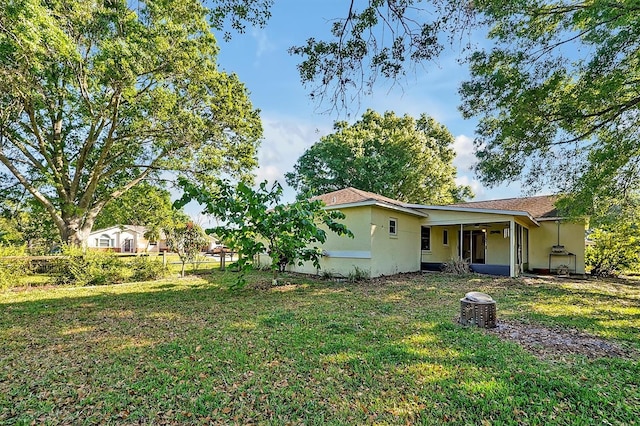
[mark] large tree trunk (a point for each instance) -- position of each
(75, 230)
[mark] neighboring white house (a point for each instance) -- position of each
(124, 239)
(131, 239)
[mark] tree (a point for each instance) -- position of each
(96, 97)
(187, 240)
(144, 205)
(614, 249)
(398, 157)
(24, 221)
(256, 223)
(377, 38)
(615, 237)
(556, 91)
(557, 98)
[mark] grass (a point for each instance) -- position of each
(310, 352)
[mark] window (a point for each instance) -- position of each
(393, 226)
(425, 238)
(445, 237)
(105, 241)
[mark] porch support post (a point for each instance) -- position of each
(512, 248)
(461, 239)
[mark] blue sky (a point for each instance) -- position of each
(292, 122)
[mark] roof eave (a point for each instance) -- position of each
(472, 210)
(377, 203)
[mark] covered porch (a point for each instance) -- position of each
(496, 247)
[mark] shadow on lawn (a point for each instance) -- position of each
(326, 353)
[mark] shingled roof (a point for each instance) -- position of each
(352, 195)
(539, 207)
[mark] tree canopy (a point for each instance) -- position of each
(97, 96)
(557, 98)
(555, 92)
(145, 205)
(398, 157)
(376, 38)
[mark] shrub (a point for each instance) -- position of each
(11, 270)
(613, 251)
(90, 268)
(145, 269)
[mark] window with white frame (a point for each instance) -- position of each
(105, 241)
(393, 226)
(445, 237)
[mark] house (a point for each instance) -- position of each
(124, 239)
(501, 237)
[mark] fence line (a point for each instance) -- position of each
(44, 264)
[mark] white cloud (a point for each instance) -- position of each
(476, 186)
(263, 44)
(285, 140)
(465, 157)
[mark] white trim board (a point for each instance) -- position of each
(348, 254)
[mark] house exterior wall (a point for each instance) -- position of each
(441, 253)
(497, 247)
(344, 254)
(497, 252)
(392, 254)
(544, 237)
(375, 252)
(118, 237)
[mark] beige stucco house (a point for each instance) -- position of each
(502, 237)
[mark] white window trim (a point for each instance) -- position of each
(445, 232)
(395, 233)
(103, 238)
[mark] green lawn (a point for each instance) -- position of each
(312, 352)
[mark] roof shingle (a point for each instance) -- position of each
(542, 206)
(352, 195)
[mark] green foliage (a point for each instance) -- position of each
(398, 157)
(9, 233)
(97, 97)
(236, 13)
(13, 269)
(557, 98)
(357, 275)
(256, 223)
(615, 249)
(144, 205)
(91, 267)
(147, 269)
(187, 240)
(375, 38)
(24, 221)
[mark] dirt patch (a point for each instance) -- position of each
(556, 343)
